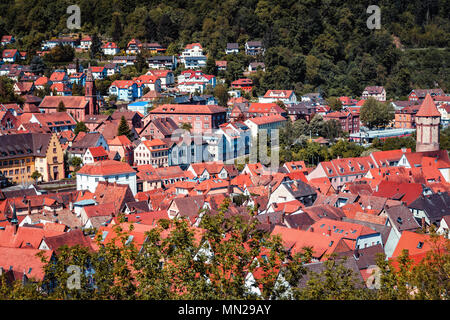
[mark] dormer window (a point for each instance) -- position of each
(420, 245)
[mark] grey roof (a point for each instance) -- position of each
(88, 141)
(161, 58)
(232, 45)
(20, 145)
(300, 221)
(138, 206)
(383, 230)
(299, 189)
(318, 267)
(254, 43)
(402, 218)
(271, 217)
(365, 257)
(165, 125)
(435, 205)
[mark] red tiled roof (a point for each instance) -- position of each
(191, 45)
(70, 102)
(98, 152)
(278, 94)
(9, 53)
(265, 108)
(428, 108)
(106, 167)
(267, 119)
(410, 241)
(57, 76)
(24, 260)
(187, 109)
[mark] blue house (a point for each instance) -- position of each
(78, 78)
(126, 90)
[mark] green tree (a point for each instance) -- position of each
(186, 126)
(116, 30)
(80, 127)
(375, 114)
(150, 29)
(76, 162)
(335, 282)
(221, 93)
(123, 129)
(61, 107)
(96, 47)
(36, 175)
(37, 65)
(334, 103)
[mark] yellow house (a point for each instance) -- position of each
(51, 164)
(22, 154)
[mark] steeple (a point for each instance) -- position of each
(427, 119)
(14, 219)
(428, 108)
(91, 94)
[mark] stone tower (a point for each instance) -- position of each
(428, 119)
(91, 94)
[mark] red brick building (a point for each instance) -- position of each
(200, 117)
(349, 121)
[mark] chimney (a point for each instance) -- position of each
(329, 231)
(423, 222)
(311, 229)
(268, 219)
(29, 206)
(403, 150)
(356, 252)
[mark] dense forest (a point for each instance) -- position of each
(311, 45)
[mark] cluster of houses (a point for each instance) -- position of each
(178, 160)
(348, 207)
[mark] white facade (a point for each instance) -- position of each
(192, 57)
(90, 182)
(291, 99)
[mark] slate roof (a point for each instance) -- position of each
(20, 145)
(435, 205)
(317, 268)
(402, 218)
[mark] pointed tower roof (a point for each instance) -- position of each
(14, 219)
(428, 108)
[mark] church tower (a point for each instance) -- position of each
(91, 94)
(428, 119)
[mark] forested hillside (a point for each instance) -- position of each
(311, 44)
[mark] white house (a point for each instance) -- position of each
(445, 227)
(191, 81)
(285, 96)
(110, 49)
(268, 123)
(377, 92)
(192, 57)
(109, 170)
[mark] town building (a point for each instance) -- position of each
(428, 119)
(154, 152)
(89, 176)
(376, 92)
(192, 56)
(200, 117)
(23, 154)
(285, 96)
